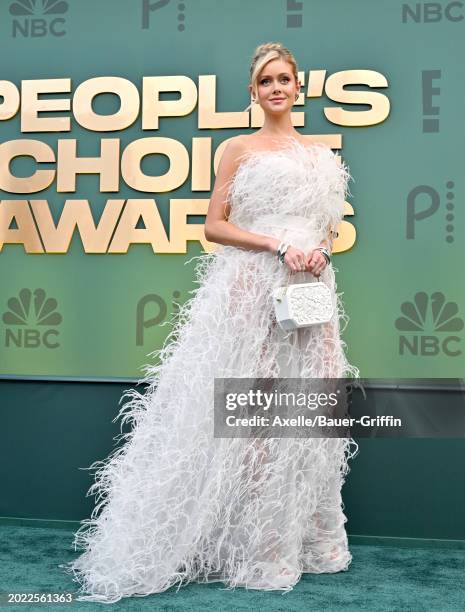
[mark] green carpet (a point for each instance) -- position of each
(380, 578)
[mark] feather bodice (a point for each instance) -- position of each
(299, 180)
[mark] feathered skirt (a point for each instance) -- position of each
(175, 504)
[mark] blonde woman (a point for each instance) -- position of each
(175, 503)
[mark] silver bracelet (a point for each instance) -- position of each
(282, 251)
(326, 254)
(281, 244)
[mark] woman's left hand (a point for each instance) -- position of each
(315, 262)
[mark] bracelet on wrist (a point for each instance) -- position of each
(282, 251)
(326, 254)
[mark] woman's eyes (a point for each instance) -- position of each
(283, 79)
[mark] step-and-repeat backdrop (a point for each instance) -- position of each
(113, 118)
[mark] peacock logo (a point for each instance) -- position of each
(28, 312)
(38, 7)
(433, 314)
(29, 18)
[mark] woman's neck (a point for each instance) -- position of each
(278, 126)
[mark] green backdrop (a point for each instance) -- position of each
(401, 281)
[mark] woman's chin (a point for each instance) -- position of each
(277, 108)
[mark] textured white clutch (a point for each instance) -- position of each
(302, 305)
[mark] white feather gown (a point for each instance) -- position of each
(173, 503)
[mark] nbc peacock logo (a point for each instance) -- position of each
(38, 18)
(31, 320)
(429, 325)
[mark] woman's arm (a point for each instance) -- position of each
(217, 227)
(328, 242)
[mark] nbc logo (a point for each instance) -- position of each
(29, 18)
(432, 313)
(30, 320)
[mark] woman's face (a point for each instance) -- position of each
(276, 86)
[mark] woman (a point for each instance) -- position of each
(177, 504)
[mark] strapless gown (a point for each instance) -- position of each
(174, 504)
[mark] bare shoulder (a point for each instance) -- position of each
(230, 161)
(304, 141)
(219, 208)
(235, 147)
(231, 157)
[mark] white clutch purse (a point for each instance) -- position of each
(302, 305)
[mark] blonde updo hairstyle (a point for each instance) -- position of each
(262, 55)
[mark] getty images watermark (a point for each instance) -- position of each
(326, 408)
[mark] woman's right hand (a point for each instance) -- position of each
(295, 259)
